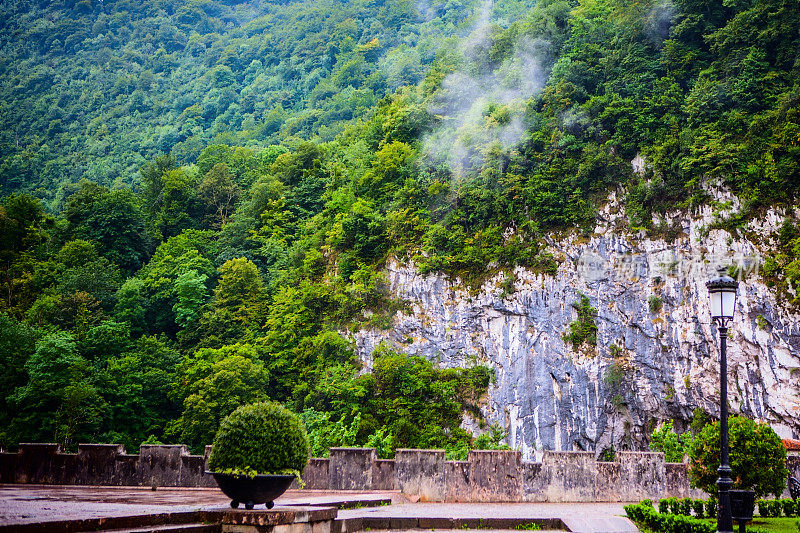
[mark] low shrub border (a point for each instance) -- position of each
(776, 508)
(643, 513)
(688, 506)
(674, 514)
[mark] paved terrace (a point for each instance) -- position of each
(22, 506)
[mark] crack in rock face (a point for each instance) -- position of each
(656, 356)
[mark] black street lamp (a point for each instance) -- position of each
(722, 291)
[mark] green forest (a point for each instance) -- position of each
(199, 198)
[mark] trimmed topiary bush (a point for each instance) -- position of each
(672, 504)
(261, 438)
(788, 506)
(711, 507)
(699, 508)
(685, 506)
(765, 509)
(757, 457)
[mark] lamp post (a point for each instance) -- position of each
(722, 291)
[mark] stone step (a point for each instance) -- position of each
(145, 522)
(405, 523)
(340, 502)
(472, 530)
(167, 528)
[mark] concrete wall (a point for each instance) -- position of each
(422, 473)
(105, 464)
(495, 476)
(351, 468)
(487, 476)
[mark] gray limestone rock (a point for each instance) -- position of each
(654, 361)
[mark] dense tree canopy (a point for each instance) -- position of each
(200, 197)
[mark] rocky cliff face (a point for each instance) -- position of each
(656, 356)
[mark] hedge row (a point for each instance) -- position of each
(643, 513)
(786, 507)
(687, 506)
(708, 508)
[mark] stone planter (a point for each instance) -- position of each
(252, 491)
(742, 505)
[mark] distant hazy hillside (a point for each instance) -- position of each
(94, 89)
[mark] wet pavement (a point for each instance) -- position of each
(578, 517)
(21, 504)
(26, 504)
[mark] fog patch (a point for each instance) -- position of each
(658, 21)
(481, 106)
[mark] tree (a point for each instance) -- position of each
(59, 401)
(137, 384)
(130, 305)
(220, 192)
(674, 446)
(757, 458)
(190, 250)
(179, 207)
(84, 270)
(23, 229)
(17, 344)
(106, 340)
(113, 219)
(191, 292)
(238, 301)
(212, 383)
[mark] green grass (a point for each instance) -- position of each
(757, 525)
(772, 525)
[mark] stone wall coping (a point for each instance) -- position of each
(494, 451)
(458, 462)
(417, 450)
(40, 445)
(568, 452)
(640, 453)
(351, 449)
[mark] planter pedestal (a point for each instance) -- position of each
(742, 506)
(252, 491)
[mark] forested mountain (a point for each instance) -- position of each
(201, 196)
(94, 89)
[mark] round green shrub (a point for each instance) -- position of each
(757, 458)
(261, 438)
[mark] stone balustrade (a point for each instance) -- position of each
(487, 476)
